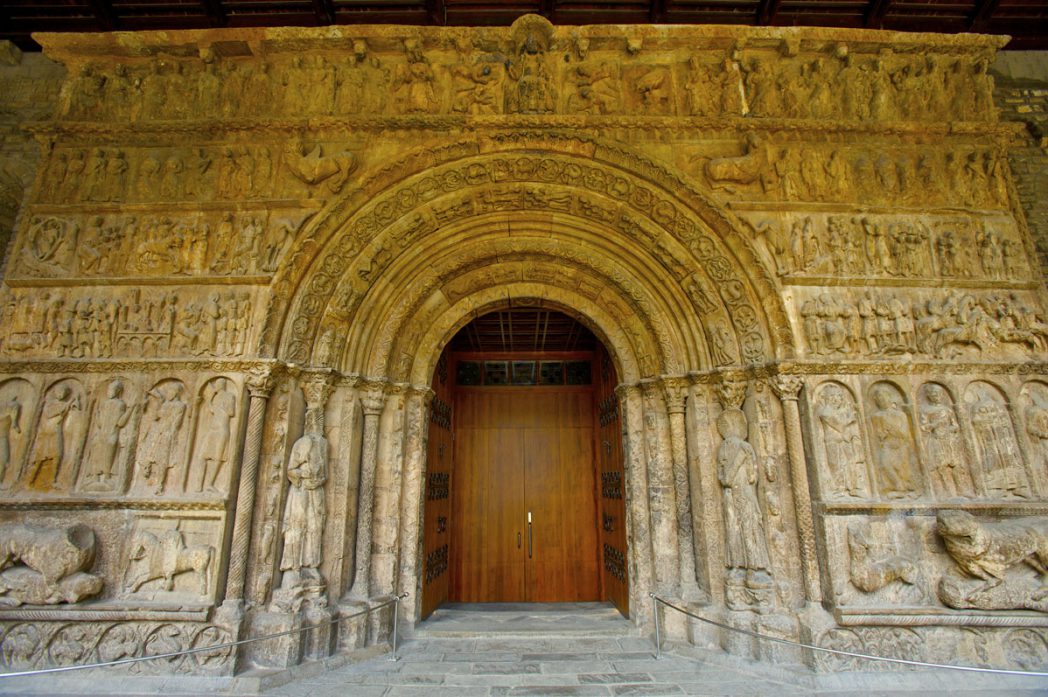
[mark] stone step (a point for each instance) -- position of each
(502, 620)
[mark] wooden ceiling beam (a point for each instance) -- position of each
(104, 15)
(325, 12)
(875, 13)
(984, 10)
(216, 14)
(657, 13)
(766, 11)
(437, 12)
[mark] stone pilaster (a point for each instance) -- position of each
(661, 493)
(373, 401)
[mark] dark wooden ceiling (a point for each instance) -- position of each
(1025, 20)
(524, 329)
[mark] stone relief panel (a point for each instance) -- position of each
(535, 68)
(216, 430)
(896, 469)
(842, 455)
(115, 417)
(949, 325)
(17, 409)
(106, 176)
(1034, 398)
(945, 452)
(136, 323)
(175, 244)
(58, 439)
(949, 440)
(32, 645)
(162, 440)
(920, 567)
(780, 170)
(916, 248)
(1000, 462)
(170, 558)
(45, 565)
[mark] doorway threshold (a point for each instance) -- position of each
(525, 619)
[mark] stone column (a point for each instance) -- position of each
(638, 517)
(259, 385)
(787, 388)
(413, 495)
(661, 495)
(676, 393)
(373, 400)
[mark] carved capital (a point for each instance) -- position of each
(676, 392)
(373, 399)
(316, 389)
(260, 383)
(786, 387)
(731, 393)
(625, 392)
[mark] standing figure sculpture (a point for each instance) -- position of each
(842, 442)
(165, 411)
(1036, 428)
(111, 416)
(737, 469)
(51, 436)
(221, 409)
(10, 421)
(893, 445)
(305, 512)
(943, 443)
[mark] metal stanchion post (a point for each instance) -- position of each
(396, 617)
(658, 634)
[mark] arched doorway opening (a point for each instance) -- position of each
(524, 495)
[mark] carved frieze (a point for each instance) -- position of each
(935, 324)
(142, 322)
(178, 246)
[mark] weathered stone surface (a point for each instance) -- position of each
(238, 254)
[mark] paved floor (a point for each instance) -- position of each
(506, 655)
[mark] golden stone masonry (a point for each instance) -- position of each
(238, 256)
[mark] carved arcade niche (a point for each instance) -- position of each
(243, 251)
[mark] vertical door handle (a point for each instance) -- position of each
(531, 539)
(518, 540)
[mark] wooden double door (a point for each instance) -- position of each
(524, 504)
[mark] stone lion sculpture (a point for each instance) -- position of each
(987, 551)
(45, 565)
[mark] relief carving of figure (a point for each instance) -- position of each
(217, 425)
(305, 512)
(1036, 428)
(42, 565)
(111, 417)
(943, 443)
(843, 443)
(532, 91)
(163, 557)
(10, 423)
(54, 438)
(165, 410)
(988, 555)
(996, 446)
(892, 444)
(873, 568)
(737, 470)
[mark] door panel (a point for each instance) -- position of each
(437, 500)
(559, 492)
(613, 570)
(516, 450)
(487, 564)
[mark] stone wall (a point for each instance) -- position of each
(244, 251)
(29, 84)
(1022, 95)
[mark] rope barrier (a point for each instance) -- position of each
(215, 647)
(839, 652)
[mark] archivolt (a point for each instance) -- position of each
(671, 257)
